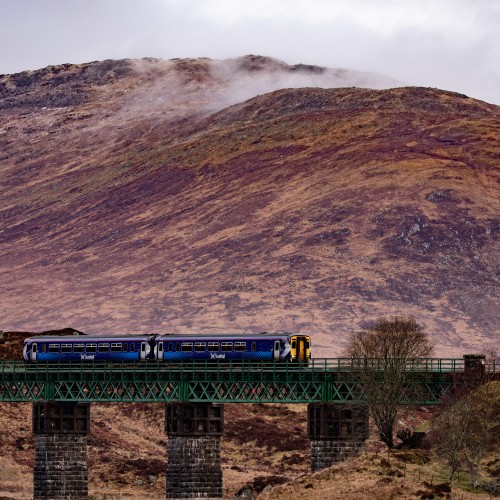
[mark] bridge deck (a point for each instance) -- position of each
(322, 380)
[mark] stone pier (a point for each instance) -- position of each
(336, 431)
(194, 460)
(474, 370)
(60, 450)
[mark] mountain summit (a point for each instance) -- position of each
(200, 195)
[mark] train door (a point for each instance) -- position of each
(143, 353)
(33, 351)
(276, 350)
(160, 350)
(301, 348)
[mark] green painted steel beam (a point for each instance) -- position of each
(324, 380)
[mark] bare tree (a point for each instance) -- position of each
(448, 436)
(384, 354)
(467, 428)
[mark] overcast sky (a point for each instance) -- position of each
(449, 44)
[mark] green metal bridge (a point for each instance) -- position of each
(322, 380)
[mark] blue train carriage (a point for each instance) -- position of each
(256, 347)
(81, 348)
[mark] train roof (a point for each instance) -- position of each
(165, 337)
(215, 336)
(85, 338)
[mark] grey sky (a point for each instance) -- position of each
(450, 44)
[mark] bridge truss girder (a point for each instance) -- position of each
(214, 382)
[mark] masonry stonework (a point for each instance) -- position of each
(60, 466)
(194, 455)
(194, 467)
(60, 430)
(328, 452)
(337, 432)
(474, 370)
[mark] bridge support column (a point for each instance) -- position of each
(474, 369)
(336, 431)
(60, 450)
(194, 461)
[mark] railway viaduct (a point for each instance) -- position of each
(194, 395)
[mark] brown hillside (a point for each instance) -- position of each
(135, 200)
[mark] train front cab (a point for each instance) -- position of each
(300, 348)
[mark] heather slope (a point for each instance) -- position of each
(144, 204)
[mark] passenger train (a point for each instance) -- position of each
(169, 348)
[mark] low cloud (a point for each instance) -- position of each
(450, 44)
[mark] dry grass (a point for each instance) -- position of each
(374, 476)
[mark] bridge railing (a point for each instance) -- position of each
(317, 365)
(441, 365)
(493, 366)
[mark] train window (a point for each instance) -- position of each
(44, 347)
(240, 346)
(294, 344)
(132, 347)
(200, 346)
(187, 346)
(308, 345)
(160, 346)
(170, 346)
(103, 348)
(125, 347)
(213, 346)
(116, 347)
(254, 346)
(78, 348)
(177, 346)
(53, 347)
(65, 347)
(227, 346)
(91, 348)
